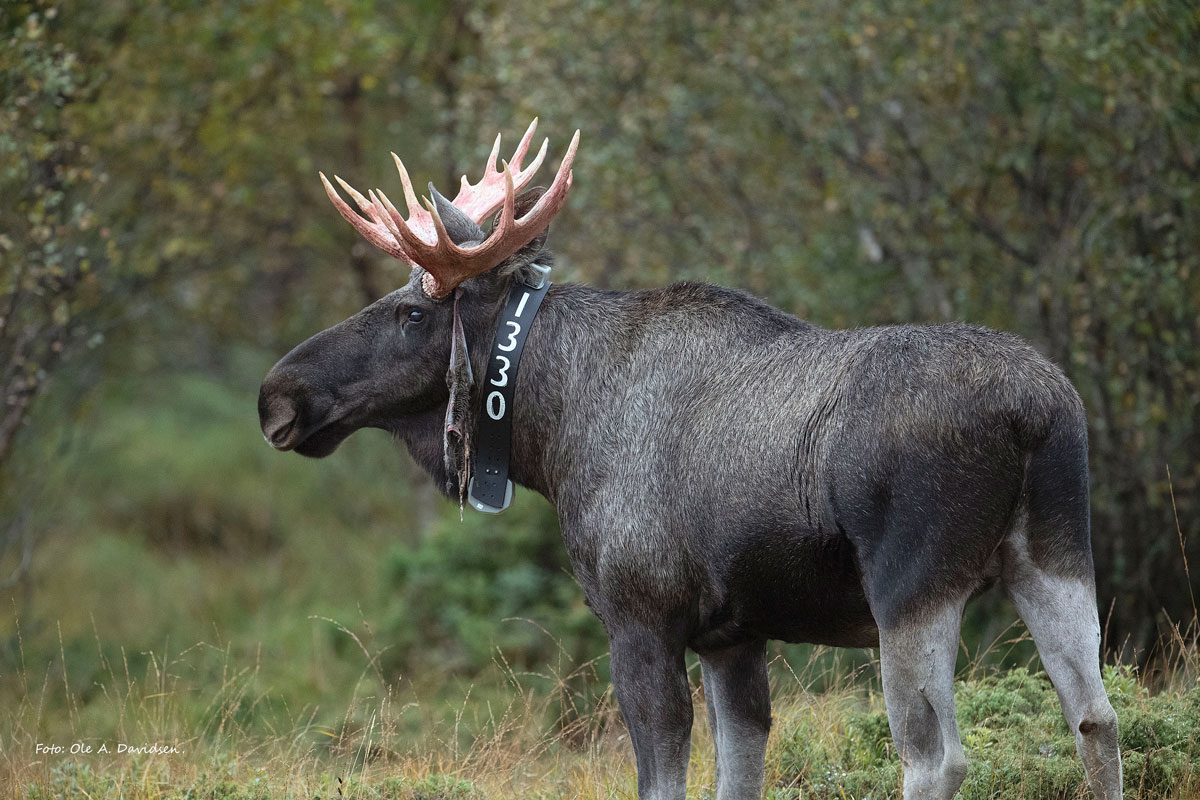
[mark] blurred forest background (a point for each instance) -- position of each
(1033, 166)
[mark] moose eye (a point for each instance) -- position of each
(416, 315)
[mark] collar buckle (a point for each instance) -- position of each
(538, 279)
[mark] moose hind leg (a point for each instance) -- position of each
(1061, 615)
(917, 660)
(650, 679)
(739, 710)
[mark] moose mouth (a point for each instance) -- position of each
(315, 440)
(323, 441)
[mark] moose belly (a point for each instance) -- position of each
(789, 585)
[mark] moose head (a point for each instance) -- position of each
(386, 366)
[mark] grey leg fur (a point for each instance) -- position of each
(1061, 615)
(650, 679)
(710, 705)
(739, 714)
(917, 660)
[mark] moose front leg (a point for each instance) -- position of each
(650, 679)
(739, 714)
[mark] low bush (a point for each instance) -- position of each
(1016, 740)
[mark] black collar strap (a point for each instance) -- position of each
(490, 490)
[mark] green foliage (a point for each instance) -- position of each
(156, 468)
(53, 254)
(851, 757)
(1015, 738)
(430, 787)
(74, 779)
(469, 587)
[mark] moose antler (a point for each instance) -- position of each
(422, 239)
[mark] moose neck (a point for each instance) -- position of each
(573, 324)
(569, 329)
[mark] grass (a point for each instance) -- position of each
(240, 747)
(826, 743)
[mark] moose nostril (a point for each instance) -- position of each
(280, 424)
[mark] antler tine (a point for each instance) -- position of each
(490, 166)
(410, 197)
(508, 212)
(549, 204)
(480, 201)
(523, 147)
(370, 231)
(379, 212)
(464, 185)
(392, 214)
(358, 199)
(527, 173)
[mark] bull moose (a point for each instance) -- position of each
(724, 473)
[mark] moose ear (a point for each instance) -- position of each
(462, 229)
(536, 249)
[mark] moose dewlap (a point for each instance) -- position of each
(726, 473)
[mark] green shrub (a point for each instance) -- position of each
(471, 586)
(1016, 740)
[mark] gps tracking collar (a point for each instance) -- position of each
(490, 489)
